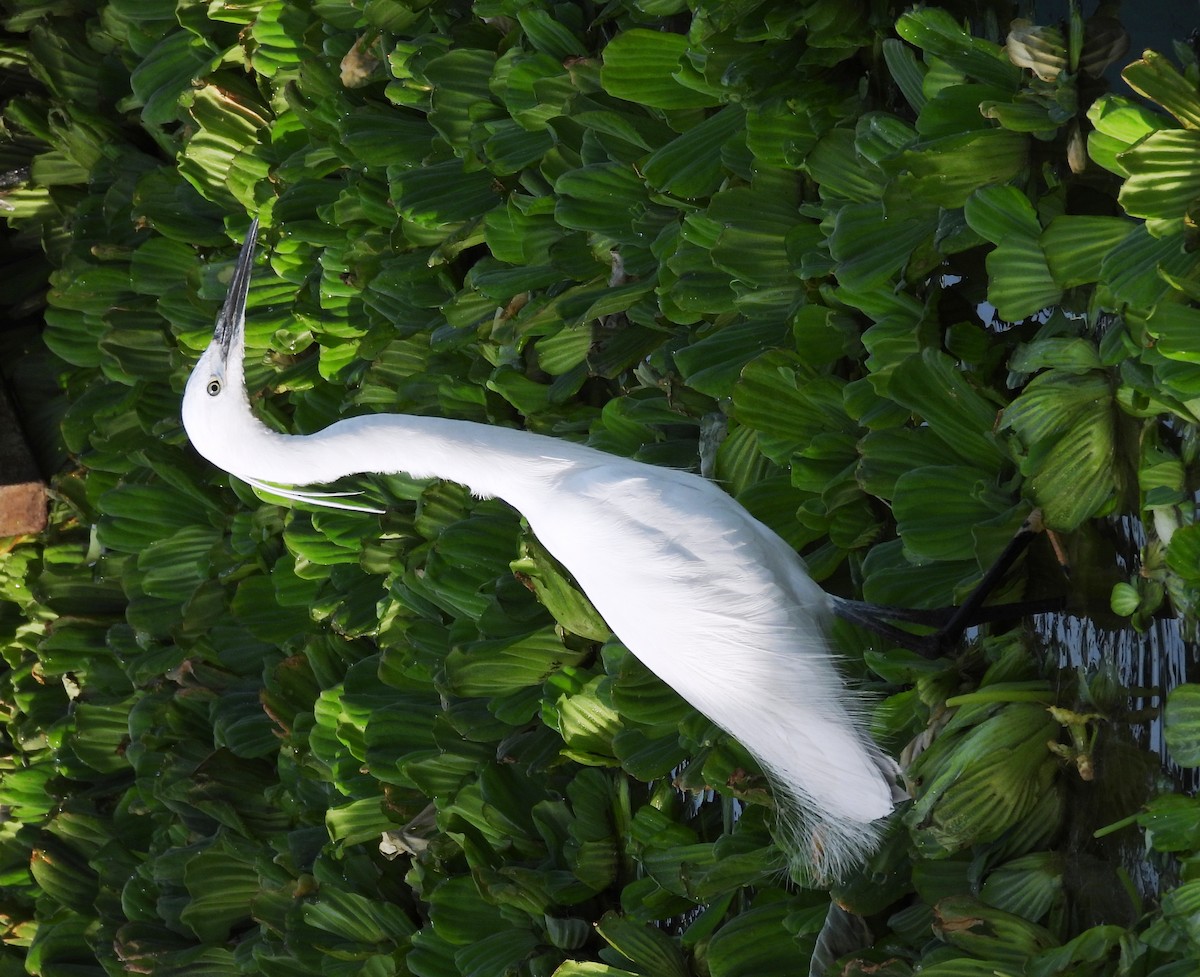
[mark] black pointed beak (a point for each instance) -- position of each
(232, 316)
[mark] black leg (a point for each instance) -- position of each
(950, 622)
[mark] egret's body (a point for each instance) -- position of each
(706, 596)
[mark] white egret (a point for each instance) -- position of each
(705, 595)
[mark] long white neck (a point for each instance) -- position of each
(490, 461)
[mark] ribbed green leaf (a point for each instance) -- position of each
(72, 335)
(1183, 725)
(988, 933)
(217, 159)
(691, 165)
(713, 364)
(932, 388)
(605, 198)
(1020, 283)
(1164, 177)
(242, 726)
(72, 69)
(907, 71)
(464, 562)
(63, 874)
(588, 725)
(1027, 886)
(1124, 120)
(495, 954)
(135, 347)
(1091, 946)
(521, 232)
(691, 287)
(159, 265)
(443, 193)
(173, 207)
(938, 33)
(647, 948)
(94, 289)
(431, 956)
(359, 821)
(787, 405)
(308, 543)
(397, 730)
(1136, 270)
(1065, 426)
(377, 137)
(1075, 355)
(167, 71)
(644, 757)
(755, 242)
(754, 944)
(101, 736)
(550, 35)
(175, 565)
(959, 108)
(1180, 907)
(535, 88)
(278, 31)
(644, 66)
(836, 166)
(1075, 246)
(564, 351)
(355, 918)
(1176, 329)
(510, 148)
(988, 781)
(585, 305)
(23, 788)
(946, 171)
(138, 515)
(461, 915)
(461, 94)
(507, 664)
(1183, 553)
(870, 246)
(255, 605)
(1171, 822)
(570, 607)
(938, 508)
(642, 697)
(222, 880)
(999, 213)
(879, 137)
(779, 135)
(1156, 78)
(888, 453)
(1039, 117)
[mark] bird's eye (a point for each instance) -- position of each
(214, 387)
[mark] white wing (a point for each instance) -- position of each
(720, 608)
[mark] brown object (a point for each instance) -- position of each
(22, 492)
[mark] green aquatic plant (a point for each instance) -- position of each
(891, 277)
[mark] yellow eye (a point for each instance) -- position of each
(214, 387)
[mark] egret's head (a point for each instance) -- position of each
(215, 405)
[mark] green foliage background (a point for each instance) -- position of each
(751, 237)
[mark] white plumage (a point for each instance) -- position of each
(706, 596)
